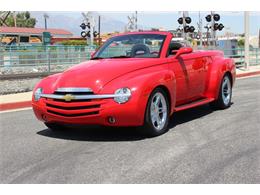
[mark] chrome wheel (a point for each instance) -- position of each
(226, 90)
(158, 111)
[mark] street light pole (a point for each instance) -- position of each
(246, 26)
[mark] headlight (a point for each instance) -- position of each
(37, 94)
(122, 95)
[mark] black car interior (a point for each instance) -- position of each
(174, 46)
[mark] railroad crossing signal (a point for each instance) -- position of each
(214, 18)
(186, 28)
(85, 33)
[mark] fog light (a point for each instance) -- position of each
(111, 120)
(44, 117)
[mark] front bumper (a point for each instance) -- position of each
(94, 111)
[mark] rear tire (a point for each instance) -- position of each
(55, 126)
(225, 94)
(156, 114)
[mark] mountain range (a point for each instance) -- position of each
(71, 21)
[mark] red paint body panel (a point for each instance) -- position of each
(187, 78)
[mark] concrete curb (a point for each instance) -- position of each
(15, 105)
(25, 104)
(246, 74)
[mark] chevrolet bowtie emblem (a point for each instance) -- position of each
(68, 97)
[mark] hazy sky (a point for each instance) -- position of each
(233, 21)
(168, 20)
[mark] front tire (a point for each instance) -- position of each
(157, 114)
(225, 94)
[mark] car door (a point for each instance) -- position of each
(190, 74)
(196, 68)
(180, 70)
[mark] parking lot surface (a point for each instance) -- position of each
(202, 146)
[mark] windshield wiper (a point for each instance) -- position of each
(120, 57)
(96, 58)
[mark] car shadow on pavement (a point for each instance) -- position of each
(189, 115)
(97, 133)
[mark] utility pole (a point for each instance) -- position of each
(200, 24)
(259, 39)
(184, 24)
(246, 26)
(99, 26)
(89, 19)
(45, 20)
(136, 21)
(212, 30)
(15, 21)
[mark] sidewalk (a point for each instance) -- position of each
(23, 100)
(15, 101)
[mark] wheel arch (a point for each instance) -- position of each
(217, 69)
(166, 90)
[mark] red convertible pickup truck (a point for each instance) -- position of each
(135, 79)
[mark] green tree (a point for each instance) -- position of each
(23, 19)
(241, 42)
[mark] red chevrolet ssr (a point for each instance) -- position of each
(135, 79)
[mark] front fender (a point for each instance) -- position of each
(142, 83)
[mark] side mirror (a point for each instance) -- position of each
(183, 50)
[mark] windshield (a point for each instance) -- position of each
(132, 46)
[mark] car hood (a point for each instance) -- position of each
(95, 74)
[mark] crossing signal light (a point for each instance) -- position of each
(180, 20)
(95, 33)
(85, 34)
(188, 20)
(186, 29)
(191, 29)
(208, 18)
(216, 17)
(215, 26)
(218, 26)
(83, 26)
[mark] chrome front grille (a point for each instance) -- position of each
(73, 107)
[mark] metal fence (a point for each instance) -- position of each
(19, 59)
(28, 59)
(238, 54)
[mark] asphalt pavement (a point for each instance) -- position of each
(202, 146)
